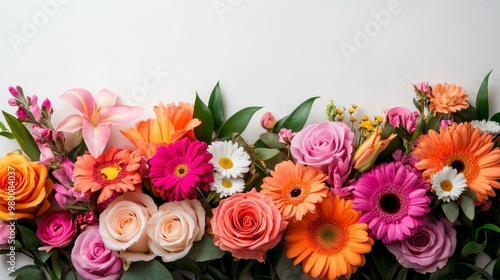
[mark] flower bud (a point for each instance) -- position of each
(368, 151)
(268, 121)
(423, 87)
(14, 91)
(12, 102)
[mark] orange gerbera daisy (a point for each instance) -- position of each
(171, 124)
(447, 98)
(330, 242)
(295, 189)
(464, 148)
(114, 171)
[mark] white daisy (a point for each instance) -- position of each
(229, 160)
(448, 184)
(491, 127)
(227, 186)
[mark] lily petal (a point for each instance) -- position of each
(81, 99)
(70, 123)
(119, 114)
(105, 98)
(96, 137)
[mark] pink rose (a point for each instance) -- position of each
(174, 227)
(247, 225)
(327, 146)
(403, 117)
(123, 226)
(92, 259)
(57, 229)
(429, 249)
(6, 231)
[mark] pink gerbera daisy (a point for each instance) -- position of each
(393, 201)
(180, 167)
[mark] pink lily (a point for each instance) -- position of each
(97, 116)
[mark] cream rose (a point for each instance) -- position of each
(174, 227)
(123, 226)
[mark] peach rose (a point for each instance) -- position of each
(123, 226)
(247, 225)
(24, 187)
(174, 227)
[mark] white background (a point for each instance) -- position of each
(265, 53)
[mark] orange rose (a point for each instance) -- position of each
(24, 188)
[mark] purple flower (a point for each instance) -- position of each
(57, 229)
(403, 117)
(327, 146)
(409, 160)
(65, 193)
(92, 259)
(429, 249)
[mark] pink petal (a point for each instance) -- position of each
(119, 114)
(81, 99)
(105, 98)
(95, 138)
(70, 123)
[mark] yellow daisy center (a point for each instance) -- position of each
(180, 170)
(226, 163)
(295, 191)
(446, 186)
(110, 172)
(227, 183)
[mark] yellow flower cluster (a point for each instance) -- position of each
(366, 126)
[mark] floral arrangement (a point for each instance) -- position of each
(408, 195)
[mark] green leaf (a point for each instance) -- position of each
(271, 140)
(265, 153)
(391, 272)
(466, 115)
(451, 211)
(23, 137)
(298, 117)
(216, 273)
(151, 270)
(475, 232)
(446, 272)
(216, 106)
(43, 255)
(473, 248)
(496, 269)
(205, 250)
(73, 275)
(381, 258)
(29, 238)
(402, 274)
(28, 272)
(496, 117)
(482, 99)
(56, 263)
(478, 270)
(2, 127)
(467, 205)
(474, 276)
(470, 193)
(237, 123)
(7, 135)
(204, 131)
(279, 124)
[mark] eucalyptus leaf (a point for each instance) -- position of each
(151, 270)
(470, 193)
(205, 250)
(298, 117)
(482, 99)
(216, 106)
(265, 153)
(451, 211)
(467, 205)
(204, 131)
(28, 272)
(23, 137)
(237, 123)
(271, 140)
(473, 248)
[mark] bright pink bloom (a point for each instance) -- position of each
(12, 102)
(445, 123)
(327, 146)
(5, 232)
(56, 229)
(423, 87)
(65, 193)
(86, 219)
(286, 135)
(403, 117)
(429, 249)
(34, 108)
(46, 155)
(92, 259)
(393, 201)
(97, 115)
(20, 113)
(14, 91)
(180, 167)
(247, 225)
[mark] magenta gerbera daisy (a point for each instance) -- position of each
(393, 201)
(180, 167)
